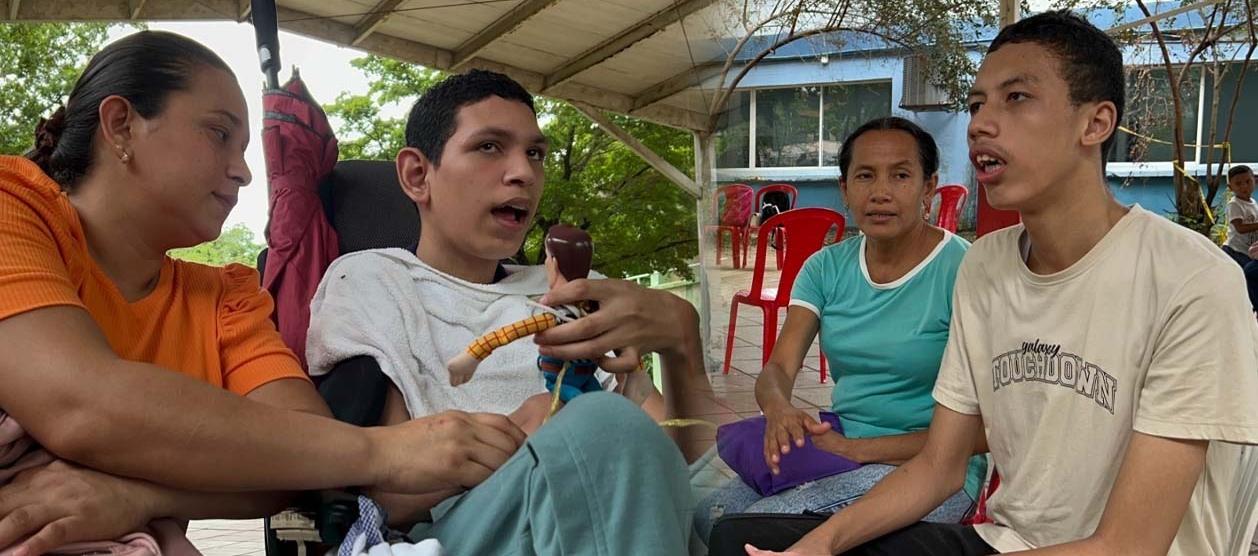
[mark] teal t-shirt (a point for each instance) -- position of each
(884, 342)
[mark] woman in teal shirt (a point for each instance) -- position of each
(882, 302)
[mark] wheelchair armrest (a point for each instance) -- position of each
(355, 391)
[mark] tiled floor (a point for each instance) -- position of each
(735, 392)
(220, 537)
(736, 389)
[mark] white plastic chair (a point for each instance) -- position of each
(1245, 508)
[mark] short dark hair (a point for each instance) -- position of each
(1091, 63)
(432, 120)
(927, 151)
(143, 68)
(1238, 170)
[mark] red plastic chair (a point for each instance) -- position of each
(791, 192)
(990, 218)
(980, 514)
(733, 219)
(803, 232)
(951, 200)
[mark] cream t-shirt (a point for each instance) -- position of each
(1148, 332)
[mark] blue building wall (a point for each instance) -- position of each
(1155, 194)
(948, 128)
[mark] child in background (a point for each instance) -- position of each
(1242, 221)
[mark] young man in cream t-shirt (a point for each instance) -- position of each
(1107, 354)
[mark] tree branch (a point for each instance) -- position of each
(1236, 96)
(615, 190)
(723, 98)
(598, 144)
(1181, 196)
(567, 153)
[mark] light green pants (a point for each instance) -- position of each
(600, 478)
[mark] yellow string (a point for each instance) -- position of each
(1227, 159)
(1224, 145)
(554, 399)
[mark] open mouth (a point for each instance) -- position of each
(989, 165)
(880, 215)
(512, 214)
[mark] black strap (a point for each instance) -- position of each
(355, 390)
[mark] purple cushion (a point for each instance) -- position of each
(741, 445)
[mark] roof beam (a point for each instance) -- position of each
(13, 7)
(377, 43)
(690, 77)
(244, 11)
(439, 58)
(645, 153)
(373, 19)
(1161, 16)
(627, 38)
(134, 7)
(509, 22)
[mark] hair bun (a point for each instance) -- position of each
(47, 134)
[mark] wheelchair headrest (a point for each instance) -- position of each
(366, 206)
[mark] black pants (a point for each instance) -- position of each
(779, 532)
(1250, 267)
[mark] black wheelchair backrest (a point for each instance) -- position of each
(366, 206)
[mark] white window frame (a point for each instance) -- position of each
(820, 171)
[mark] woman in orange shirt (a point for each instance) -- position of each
(136, 366)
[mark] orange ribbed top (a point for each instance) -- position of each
(210, 323)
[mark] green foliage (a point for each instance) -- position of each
(640, 221)
(943, 32)
(235, 245)
(940, 30)
(39, 63)
(363, 133)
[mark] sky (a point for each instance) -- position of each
(324, 67)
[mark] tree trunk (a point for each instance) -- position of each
(1188, 204)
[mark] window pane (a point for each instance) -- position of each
(1244, 135)
(733, 135)
(786, 127)
(1150, 111)
(846, 108)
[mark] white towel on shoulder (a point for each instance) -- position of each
(412, 318)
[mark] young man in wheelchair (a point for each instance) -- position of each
(473, 166)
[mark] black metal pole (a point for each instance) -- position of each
(266, 30)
